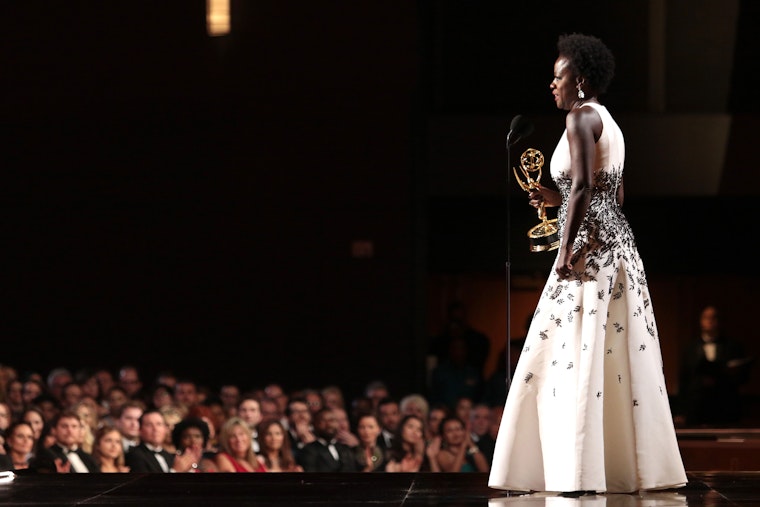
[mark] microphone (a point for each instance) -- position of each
(519, 128)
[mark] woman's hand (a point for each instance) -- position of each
(564, 264)
(546, 196)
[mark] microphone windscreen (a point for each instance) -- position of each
(521, 126)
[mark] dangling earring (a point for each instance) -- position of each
(581, 95)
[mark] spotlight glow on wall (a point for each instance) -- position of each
(218, 17)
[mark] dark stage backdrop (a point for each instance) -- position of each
(182, 202)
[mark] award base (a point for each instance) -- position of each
(544, 237)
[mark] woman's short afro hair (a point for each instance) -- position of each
(588, 57)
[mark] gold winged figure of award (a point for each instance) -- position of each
(544, 236)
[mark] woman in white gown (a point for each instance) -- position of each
(587, 410)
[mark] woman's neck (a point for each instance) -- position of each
(19, 458)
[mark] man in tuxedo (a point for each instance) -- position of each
(300, 425)
(65, 455)
(149, 456)
(326, 454)
(389, 417)
(128, 423)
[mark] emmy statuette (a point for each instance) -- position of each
(544, 236)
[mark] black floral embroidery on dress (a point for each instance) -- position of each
(609, 351)
(642, 347)
(528, 377)
(618, 327)
(570, 365)
(544, 334)
(598, 395)
(620, 379)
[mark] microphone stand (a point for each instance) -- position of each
(510, 142)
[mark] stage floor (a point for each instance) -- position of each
(467, 489)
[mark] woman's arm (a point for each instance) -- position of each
(583, 127)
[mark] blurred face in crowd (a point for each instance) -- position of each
(33, 419)
(250, 411)
(326, 425)
(153, 429)
(186, 393)
(480, 419)
(411, 433)
(453, 432)
(435, 417)
(115, 400)
(109, 445)
(269, 409)
(129, 380)
(129, 422)
(239, 441)
(30, 391)
(368, 430)
(389, 416)
(5, 416)
(21, 440)
(68, 431)
(191, 437)
(299, 413)
(273, 437)
(230, 395)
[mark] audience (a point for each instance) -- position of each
(325, 453)
(458, 453)
(101, 422)
(107, 450)
(276, 454)
(235, 449)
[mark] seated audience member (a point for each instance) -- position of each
(313, 400)
(713, 369)
(325, 453)
(275, 392)
(88, 382)
(33, 417)
(186, 393)
(230, 396)
(161, 396)
(31, 390)
(5, 417)
(462, 409)
(167, 378)
(56, 380)
(249, 410)
(388, 415)
(15, 398)
(332, 396)
(150, 456)
(414, 404)
(361, 405)
(275, 454)
(107, 450)
(300, 428)
(480, 424)
(48, 405)
(369, 456)
(193, 433)
(114, 399)
(129, 380)
(128, 423)
(65, 455)
(270, 410)
(173, 414)
(458, 453)
(105, 381)
(409, 452)
(235, 450)
(71, 394)
(376, 391)
(345, 435)
(19, 446)
(204, 413)
(84, 409)
(437, 414)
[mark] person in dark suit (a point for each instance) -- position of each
(150, 456)
(326, 454)
(713, 368)
(65, 455)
